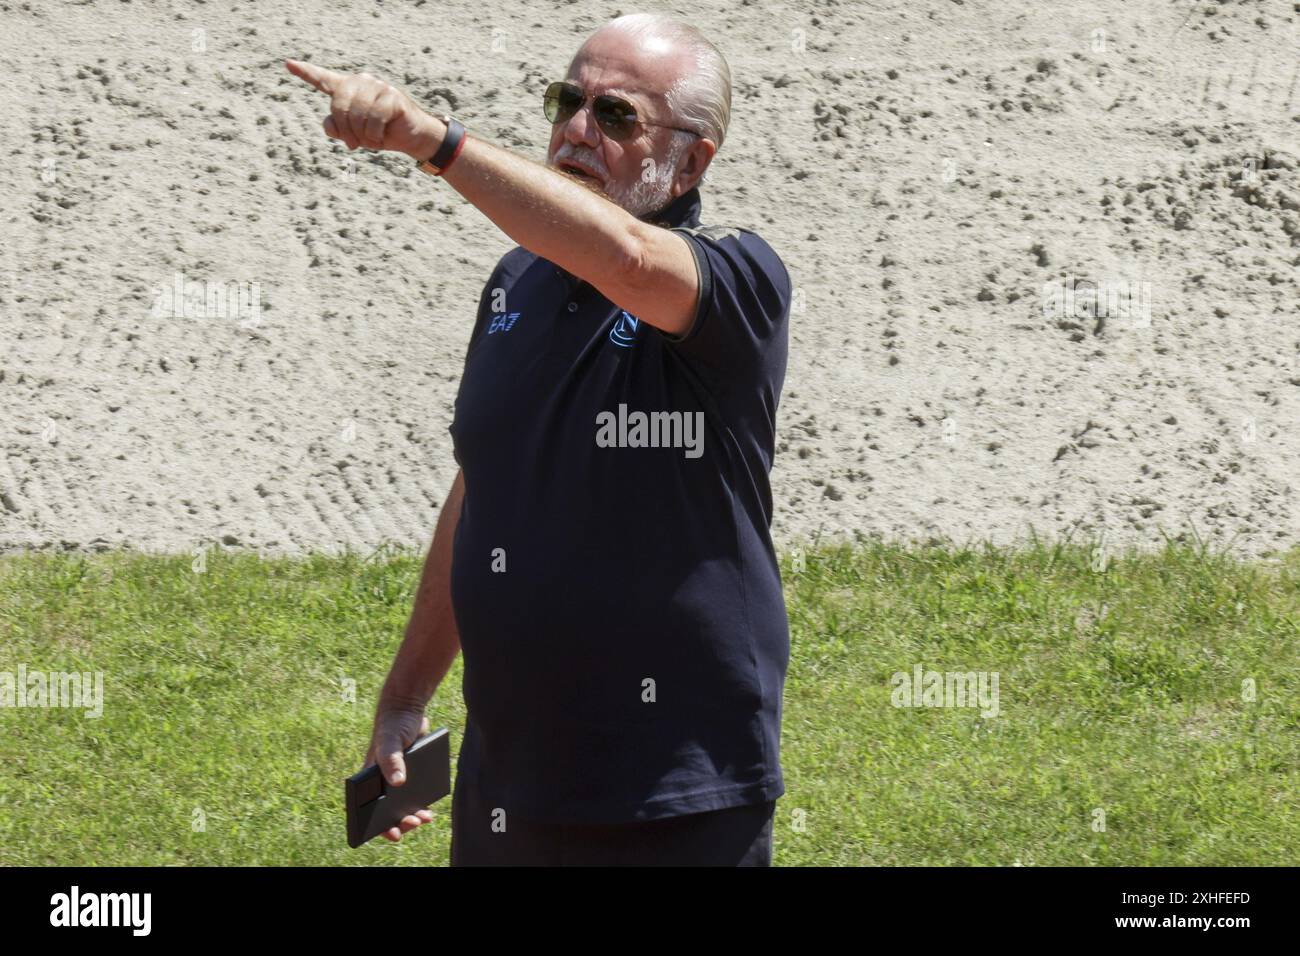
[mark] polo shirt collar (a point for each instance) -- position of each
(682, 211)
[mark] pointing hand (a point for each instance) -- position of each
(366, 111)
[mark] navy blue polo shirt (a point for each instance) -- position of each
(613, 579)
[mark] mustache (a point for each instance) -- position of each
(581, 154)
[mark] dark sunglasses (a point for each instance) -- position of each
(615, 116)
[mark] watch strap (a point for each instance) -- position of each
(448, 149)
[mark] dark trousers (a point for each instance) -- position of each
(736, 836)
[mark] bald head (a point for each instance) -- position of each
(695, 81)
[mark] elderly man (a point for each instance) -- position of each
(604, 559)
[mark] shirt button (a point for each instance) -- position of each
(573, 307)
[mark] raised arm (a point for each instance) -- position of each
(647, 270)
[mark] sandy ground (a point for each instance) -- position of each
(925, 168)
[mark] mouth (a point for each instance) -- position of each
(581, 173)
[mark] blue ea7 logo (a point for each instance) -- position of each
(624, 331)
(503, 322)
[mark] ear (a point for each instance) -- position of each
(692, 165)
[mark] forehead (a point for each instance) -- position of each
(610, 62)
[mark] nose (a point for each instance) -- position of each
(581, 129)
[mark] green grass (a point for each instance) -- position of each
(224, 693)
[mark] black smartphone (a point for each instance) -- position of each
(373, 806)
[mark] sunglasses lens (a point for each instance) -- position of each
(561, 101)
(617, 117)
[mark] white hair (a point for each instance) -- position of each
(700, 100)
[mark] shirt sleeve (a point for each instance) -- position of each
(744, 298)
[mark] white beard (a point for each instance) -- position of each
(643, 196)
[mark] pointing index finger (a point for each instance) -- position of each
(319, 77)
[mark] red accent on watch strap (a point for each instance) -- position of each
(454, 154)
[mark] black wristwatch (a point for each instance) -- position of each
(449, 149)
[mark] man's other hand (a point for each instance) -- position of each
(396, 728)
